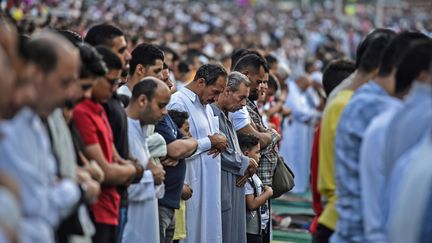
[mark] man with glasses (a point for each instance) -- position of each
(95, 130)
(113, 38)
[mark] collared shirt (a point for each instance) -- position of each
(92, 122)
(366, 103)
(409, 124)
(326, 171)
(372, 176)
(27, 156)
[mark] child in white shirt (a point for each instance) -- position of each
(257, 195)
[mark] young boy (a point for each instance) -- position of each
(181, 120)
(257, 195)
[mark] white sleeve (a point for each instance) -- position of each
(248, 188)
(240, 118)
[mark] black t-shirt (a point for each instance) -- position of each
(175, 175)
(118, 120)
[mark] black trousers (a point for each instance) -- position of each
(323, 234)
(105, 233)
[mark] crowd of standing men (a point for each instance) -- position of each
(100, 142)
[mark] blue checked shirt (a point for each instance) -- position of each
(366, 103)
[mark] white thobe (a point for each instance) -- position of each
(143, 222)
(203, 173)
(296, 144)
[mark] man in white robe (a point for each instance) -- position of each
(203, 169)
(296, 144)
(147, 106)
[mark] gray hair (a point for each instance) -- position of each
(235, 79)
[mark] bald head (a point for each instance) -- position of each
(149, 100)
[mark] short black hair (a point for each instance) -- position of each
(273, 82)
(247, 141)
(178, 117)
(418, 58)
(240, 53)
(112, 61)
(368, 55)
(102, 34)
(72, 36)
(92, 63)
(42, 54)
(183, 67)
(236, 55)
(335, 72)
(146, 55)
(396, 50)
(210, 73)
(167, 49)
(146, 87)
(252, 62)
(308, 65)
(271, 59)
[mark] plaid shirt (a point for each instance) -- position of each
(269, 155)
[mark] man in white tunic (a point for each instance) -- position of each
(296, 144)
(203, 169)
(147, 106)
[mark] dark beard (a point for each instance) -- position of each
(253, 96)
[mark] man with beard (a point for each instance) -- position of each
(113, 38)
(203, 168)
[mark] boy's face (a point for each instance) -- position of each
(254, 153)
(184, 129)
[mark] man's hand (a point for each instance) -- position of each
(167, 161)
(90, 187)
(252, 168)
(214, 152)
(218, 141)
(91, 190)
(95, 171)
(139, 170)
(157, 171)
(186, 192)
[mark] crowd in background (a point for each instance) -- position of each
(158, 122)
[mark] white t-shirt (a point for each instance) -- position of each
(249, 190)
(240, 118)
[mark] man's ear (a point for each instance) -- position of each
(246, 153)
(201, 83)
(246, 72)
(140, 70)
(142, 100)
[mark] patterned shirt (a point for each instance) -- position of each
(269, 155)
(366, 103)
